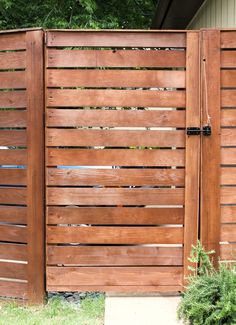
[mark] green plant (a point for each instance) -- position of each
(210, 297)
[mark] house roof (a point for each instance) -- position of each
(175, 14)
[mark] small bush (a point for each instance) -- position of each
(210, 297)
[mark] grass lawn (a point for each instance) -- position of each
(56, 312)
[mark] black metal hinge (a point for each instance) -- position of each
(206, 130)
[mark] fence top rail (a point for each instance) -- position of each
(8, 31)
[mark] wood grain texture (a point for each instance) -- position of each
(118, 215)
(10, 251)
(35, 170)
(114, 256)
(114, 138)
(228, 176)
(228, 195)
(12, 79)
(114, 235)
(228, 214)
(228, 156)
(228, 78)
(228, 137)
(117, 289)
(115, 58)
(114, 157)
(114, 98)
(115, 78)
(228, 39)
(114, 276)
(13, 176)
(114, 196)
(135, 118)
(13, 138)
(12, 60)
(211, 160)
(114, 39)
(228, 233)
(13, 195)
(13, 157)
(13, 214)
(14, 41)
(192, 160)
(15, 119)
(114, 177)
(13, 99)
(16, 234)
(228, 98)
(228, 252)
(13, 289)
(228, 117)
(13, 270)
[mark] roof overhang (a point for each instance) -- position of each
(175, 14)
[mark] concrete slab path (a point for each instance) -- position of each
(141, 310)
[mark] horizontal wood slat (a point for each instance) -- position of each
(13, 41)
(12, 99)
(119, 215)
(109, 138)
(228, 98)
(13, 270)
(115, 177)
(13, 79)
(115, 157)
(13, 119)
(114, 276)
(228, 252)
(13, 176)
(10, 251)
(109, 97)
(116, 58)
(228, 214)
(12, 60)
(116, 39)
(228, 137)
(13, 195)
(228, 233)
(114, 235)
(13, 214)
(13, 157)
(16, 234)
(135, 118)
(228, 78)
(111, 255)
(228, 39)
(13, 138)
(13, 289)
(228, 195)
(115, 196)
(228, 156)
(115, 78)
(228, 176)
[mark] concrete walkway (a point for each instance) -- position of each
(141, 310)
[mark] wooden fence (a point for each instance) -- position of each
(22, 165)
(124, 181)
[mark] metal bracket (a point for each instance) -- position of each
(206, 130)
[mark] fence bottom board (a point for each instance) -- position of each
(114, 276)
(116, 289)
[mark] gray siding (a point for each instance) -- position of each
(215, 14)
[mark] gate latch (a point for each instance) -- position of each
(206, 130)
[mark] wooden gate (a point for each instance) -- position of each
(122, 177)
(21, 165)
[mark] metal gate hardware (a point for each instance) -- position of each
(206, 130)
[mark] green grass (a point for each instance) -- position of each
(55, 312)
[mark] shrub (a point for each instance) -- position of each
(210, 297)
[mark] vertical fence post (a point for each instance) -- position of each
(35, 165)
(210, 152)
(192, 158)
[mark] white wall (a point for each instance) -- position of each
(215, 14)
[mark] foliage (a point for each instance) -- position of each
(57, 311)
(76, 13)
(210, 297)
